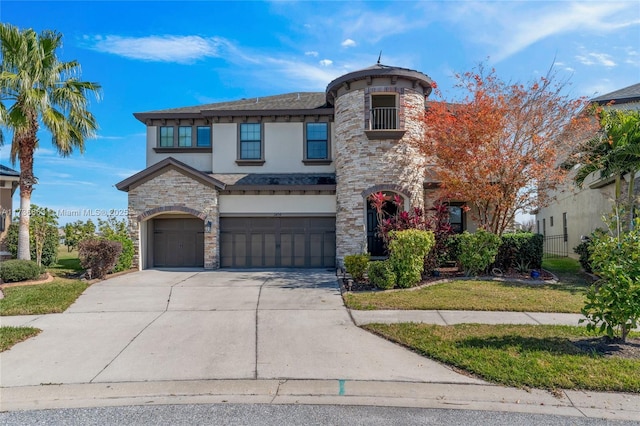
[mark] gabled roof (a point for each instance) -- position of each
(286, 104)
(6, 171)
(625, 95)
(159, 168)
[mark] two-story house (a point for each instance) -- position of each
(577, 212)
(280, 181)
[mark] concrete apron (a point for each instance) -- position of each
(194, 325)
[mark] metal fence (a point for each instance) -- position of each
(556, 246)
(384, 118)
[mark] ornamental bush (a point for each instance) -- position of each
(381, 274)
(520, 248)
(99, 256)
(49, 248)
(356, 265)
(407, 250)
(613, 302)
(477, 251)
(19, 270)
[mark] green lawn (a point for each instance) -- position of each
(9, 336)
(53, 297)
(67, 264)
(478, 295)
(518, 355)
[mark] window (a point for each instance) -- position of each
(166, 137)
(250, 141)
(184, 136)
(384, 112)
(565, 231)
(551, 221)
(544, 227)
(204, 136)
(455, 219)
(317, 141)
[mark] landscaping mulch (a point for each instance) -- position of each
(610, 348)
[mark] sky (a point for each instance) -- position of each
(152, 55)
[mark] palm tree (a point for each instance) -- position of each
(37, 89)
(614, 153)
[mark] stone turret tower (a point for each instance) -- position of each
(377, 111)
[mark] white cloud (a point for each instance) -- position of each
(594, 58)
(348, 43)
(166, 48)
(326, 62)
(312, 53)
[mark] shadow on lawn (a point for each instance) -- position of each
(552, 345)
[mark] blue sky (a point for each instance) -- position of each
(152, 55)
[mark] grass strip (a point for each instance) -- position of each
(518, 355)
(9, 336)
(53, 297)
(477, 296)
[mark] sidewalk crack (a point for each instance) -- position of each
(126, 346)
(573, 404)
(255, 372)
(536, 321)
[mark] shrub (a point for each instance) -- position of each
(519, 249)
(356, 265)
(477, 251)
(381, 274)
(582, 250)
(116, 230)
(613, 303)
(49, 249)
(19, 270)
(407, 252)
(99, 256)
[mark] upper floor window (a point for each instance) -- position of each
(184, 137)
(384, 112)
(204, 136)
(166, 137)
(250, 141)
(317, 141)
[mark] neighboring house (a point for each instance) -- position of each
(576, 212)
(9, 180)
(280, 181)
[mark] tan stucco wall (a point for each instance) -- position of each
(283, 150)
(283, 204)
(198, 160)
(173, 193)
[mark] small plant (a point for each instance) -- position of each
(99, 256)
(477, 251)
(613, 303)
(381, 274)
(522, 266)
(356, 265)
(407, 252)
(19, 270)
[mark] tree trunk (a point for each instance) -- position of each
(24, 250)
(631, 198)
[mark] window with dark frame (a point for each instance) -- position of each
(250, 141)
(456, 219)
(166, 137)
(551, 221)
(317, 135)
(184, 136)
(203, 134)
(565, 231)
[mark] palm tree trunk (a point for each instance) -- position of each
(24, 250)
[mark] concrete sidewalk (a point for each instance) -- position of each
(193, 336)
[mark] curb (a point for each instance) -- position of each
(322, 392)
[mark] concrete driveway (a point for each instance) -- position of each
(159, 325)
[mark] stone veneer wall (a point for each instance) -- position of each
(174, 192)
(363, 165)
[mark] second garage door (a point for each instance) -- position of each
(272, 242)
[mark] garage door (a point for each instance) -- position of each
(178, 242)
(273, 242)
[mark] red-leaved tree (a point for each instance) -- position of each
(499, 149)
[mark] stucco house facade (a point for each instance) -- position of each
(9, 181)
(280, 181)
(577, 212)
